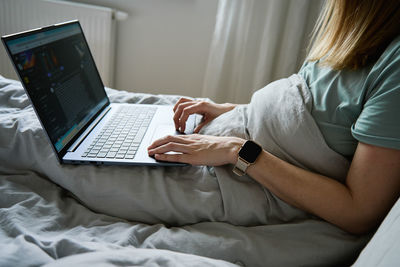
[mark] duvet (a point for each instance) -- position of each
(59, 215)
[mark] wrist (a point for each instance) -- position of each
(247, 156)
(235, 145)
(228, 106)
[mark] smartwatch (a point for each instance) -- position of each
(248, 154)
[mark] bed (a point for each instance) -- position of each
(43, 222)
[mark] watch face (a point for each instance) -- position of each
(250, 151)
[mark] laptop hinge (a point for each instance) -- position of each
(78, 141)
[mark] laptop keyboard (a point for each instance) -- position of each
(121, 136)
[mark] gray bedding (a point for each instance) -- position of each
(191, 216)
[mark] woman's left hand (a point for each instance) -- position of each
(197, 149)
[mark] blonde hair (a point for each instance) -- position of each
(352, 33)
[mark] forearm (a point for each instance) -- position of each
(308, 191)
(372, 183)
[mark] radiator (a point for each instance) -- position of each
(98, 24)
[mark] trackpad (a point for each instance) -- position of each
(163, 130)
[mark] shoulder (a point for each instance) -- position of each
(378, 122)
(387, 66)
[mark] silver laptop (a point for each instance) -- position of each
(58, 73)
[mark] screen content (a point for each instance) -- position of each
(60, 76)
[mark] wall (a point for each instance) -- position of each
(163, 46)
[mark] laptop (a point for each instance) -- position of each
(60, 77)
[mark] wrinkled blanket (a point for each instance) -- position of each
(64, 214)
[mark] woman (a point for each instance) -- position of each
(353, 74)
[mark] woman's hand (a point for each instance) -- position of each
(197, 149)
(186, 107)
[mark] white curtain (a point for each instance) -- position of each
(256, 42)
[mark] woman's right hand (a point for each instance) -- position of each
(186, 107)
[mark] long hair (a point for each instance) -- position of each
(353, 33)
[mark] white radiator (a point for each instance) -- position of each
(98, 24)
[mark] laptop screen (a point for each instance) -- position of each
(60, 76)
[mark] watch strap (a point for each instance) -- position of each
(241, 167)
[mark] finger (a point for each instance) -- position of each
(181, 100)
(187, 111)
(201, 125)
(182, 158)
(169, 138)
(170, 147)
(178, 112)
(162, 141)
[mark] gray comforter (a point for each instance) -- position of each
(190, 216)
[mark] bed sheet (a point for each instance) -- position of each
(42, 223)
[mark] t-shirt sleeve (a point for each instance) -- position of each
(379, 121)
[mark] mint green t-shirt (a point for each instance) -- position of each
(363, 105)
